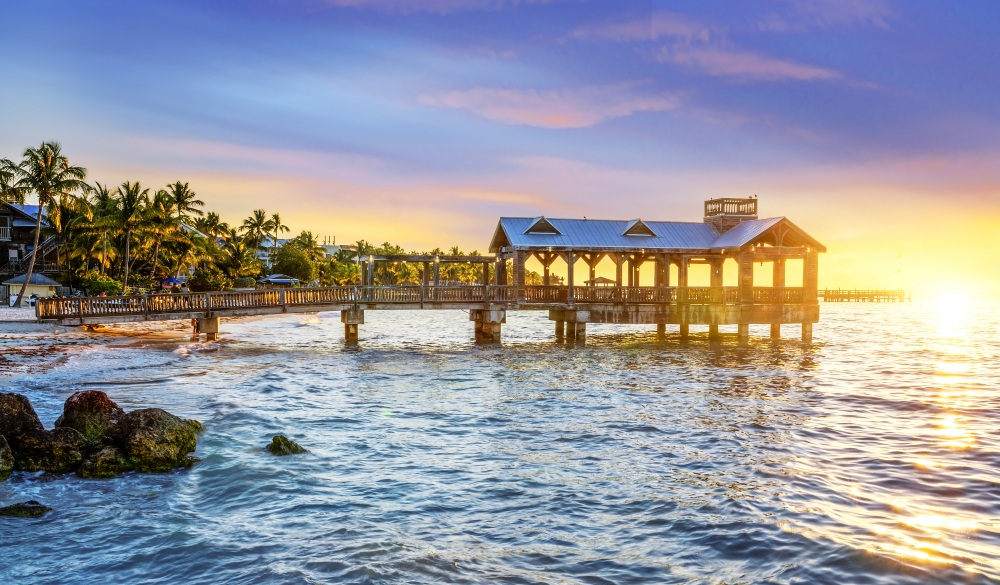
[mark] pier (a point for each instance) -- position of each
(876, 295)
(730, 236)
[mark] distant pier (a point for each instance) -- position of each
(869, 295)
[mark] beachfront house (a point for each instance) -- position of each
(39, 285)
(17, 240)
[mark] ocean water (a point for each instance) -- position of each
(869, 456)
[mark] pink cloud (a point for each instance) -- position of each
(807, 14)
(722, 62)
(661, 25)
(551, 108)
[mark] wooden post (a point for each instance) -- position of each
(560, 329)
(437, 272)
(778, 282)
(682, 282)
(810, 288)
(545, 269)
(631, 271)
(425, 276)
(618, 269)
(570, 261)
(519, 259)
(661, 331)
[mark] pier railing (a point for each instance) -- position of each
(414, 296)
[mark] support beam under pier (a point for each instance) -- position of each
(352, 319)
(489, 324)
(210, 327)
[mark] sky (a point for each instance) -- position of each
(872, 125)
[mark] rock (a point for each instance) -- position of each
(58, 451)
(91, 413)
(107, 462)
(6, 459)
(152, 439)
(282, 445)
(29, 509)
(17, 415)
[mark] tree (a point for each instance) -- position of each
(46, 172)
(295, 262)
(257, 227)
(238, 258)
(8, 173)
(159, 223)
(183, 201)
(278, 227)
(131, 200)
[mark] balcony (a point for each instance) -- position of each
(4, 234)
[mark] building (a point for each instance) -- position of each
(17, 240)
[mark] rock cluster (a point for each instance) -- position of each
(94, 437)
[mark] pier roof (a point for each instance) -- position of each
(525, 233)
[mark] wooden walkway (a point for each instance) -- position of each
(96, 310)
(864, 296)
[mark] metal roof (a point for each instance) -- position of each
(36, 280)
(30, 211)
(602, 233)
(591, 234)
(745, 232)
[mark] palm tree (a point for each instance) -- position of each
(8, 172)
(184, 202)
(46, 172)
(131, 200)
(103, 211)
(257, 227)
(238, 257)
(277, 226)
(158, 222)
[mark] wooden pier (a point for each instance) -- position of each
(864, 296)
(730, 232)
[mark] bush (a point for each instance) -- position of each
(208, 279)
(293, 261)
(244, 282)
(96, 283)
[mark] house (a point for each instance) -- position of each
(17, 240)
(39, 285)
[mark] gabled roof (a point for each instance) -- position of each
(36, 280)
(637, 227)
(542, 226)
(776, 231)
(603, 234)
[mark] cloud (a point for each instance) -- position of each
(803, 15)
(442, 7)
(659, 26)
(702, 48)
(552, 108)
(723, 62)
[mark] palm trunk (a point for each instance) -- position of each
(104, 251)
(34, 251)
(128, 241)
(156, 256)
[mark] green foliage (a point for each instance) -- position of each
(244, 282)
(209, 278)
(96, 283)
(295, 262)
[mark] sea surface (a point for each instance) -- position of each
(869, 456)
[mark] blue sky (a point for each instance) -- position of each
(421, 122)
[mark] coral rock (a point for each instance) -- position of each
(17, 415)
(107, 462)
(29, 509)
(282, 445)
(152, 439)
(58, 451)
(91, 413)
(6, 459)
